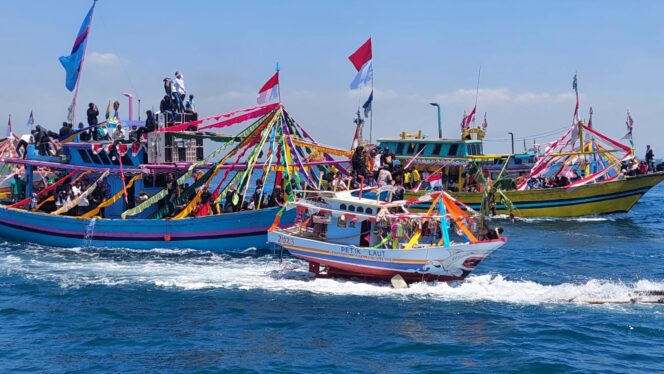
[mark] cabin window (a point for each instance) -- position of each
(368, 211)
(411, 148)
(436, 149)
(104, 158)
(84, 156)
(360, 209)
(126, 160)
(341, 222)
(421, 147)
(453, 149)
(518, 161)
(342, 206)
(400, 148)
(154, 180)
(474, 149)
(351, 223)
(95, 158)
(351, 208)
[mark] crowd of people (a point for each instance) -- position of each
(174, 103)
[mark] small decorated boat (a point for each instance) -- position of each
(340, 234)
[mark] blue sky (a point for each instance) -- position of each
(424, 51)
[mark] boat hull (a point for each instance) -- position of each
(226, 232)
(418, 264)
(591, 199)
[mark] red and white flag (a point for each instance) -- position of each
(269, 91)
(435, 180)
(362, 60)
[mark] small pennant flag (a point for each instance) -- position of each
(31, 120)
(362, 59)
(269, 91)
(367, 105)
(469, 118)
(575, 87)
(630, 126)
(485, 124)
(9, 127)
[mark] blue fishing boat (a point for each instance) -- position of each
(149, 184)
(156, 192)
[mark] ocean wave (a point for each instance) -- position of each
(184, 270)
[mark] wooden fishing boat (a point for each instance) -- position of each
(130, 171)
(592, 174)
(617, 196)
(152, 189)
(358, 237)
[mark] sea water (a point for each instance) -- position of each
(529, 307)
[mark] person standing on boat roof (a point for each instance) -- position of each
(180, 91)
(92, 114)
(179, 85)
(116, 116)
(650, 159)
(168, 86)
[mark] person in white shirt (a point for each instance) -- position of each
(119, 133)
(384, 177)
(180, 91)
(23, 144)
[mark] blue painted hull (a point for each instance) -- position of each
(226, 232)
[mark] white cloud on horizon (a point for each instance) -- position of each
(100, 58)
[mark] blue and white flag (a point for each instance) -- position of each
(74, 61)
(367, 105)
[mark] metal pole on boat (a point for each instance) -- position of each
(512, 137)
(440, 126)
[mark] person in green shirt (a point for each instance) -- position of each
(17, 188)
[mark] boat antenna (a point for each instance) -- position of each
(477, 89)
(372, 109)
(277, 68)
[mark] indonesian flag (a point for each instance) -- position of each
(270, 90)
(435, 180)
(362, 60)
